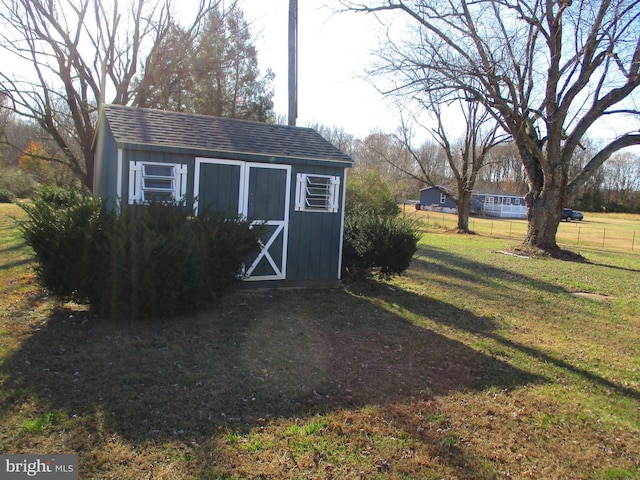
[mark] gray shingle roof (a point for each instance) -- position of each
(143, 126)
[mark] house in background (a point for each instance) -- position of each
(494, 204)
(432, 199)
(499, 204)
(289, 178)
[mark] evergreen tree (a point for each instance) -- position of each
(212, 72)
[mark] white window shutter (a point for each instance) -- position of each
(135, 182)
(334, 194)
(301, 185)
(181, 181)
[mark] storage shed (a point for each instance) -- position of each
(289, 178)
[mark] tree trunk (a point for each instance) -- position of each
(545, 212)
(90, 169)
(464, 209)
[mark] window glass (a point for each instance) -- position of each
(156, 170)
(157, 183)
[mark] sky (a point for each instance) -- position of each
(334, 50)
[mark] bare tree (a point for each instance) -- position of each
(549, 71)
(76, 54)
(503, 170)
(465, 157)
(344, 141)
(621, 180)
(388, 154)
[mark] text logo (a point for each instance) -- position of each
(51, 467)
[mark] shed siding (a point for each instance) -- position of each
(266, 195)
(314, 248)
(222, 183)
(314, 237)
(106, 165)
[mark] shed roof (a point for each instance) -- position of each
(144, 126)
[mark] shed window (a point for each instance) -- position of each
(443, 198)
(161, 182)
(317, 193)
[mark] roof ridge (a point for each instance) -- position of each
(202, 115)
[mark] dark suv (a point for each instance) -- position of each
(568, 215)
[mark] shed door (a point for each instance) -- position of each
(258, 192)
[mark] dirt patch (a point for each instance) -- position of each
(558, 253)
(592, 296)
(513, 254)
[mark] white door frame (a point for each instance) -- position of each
(282, 226)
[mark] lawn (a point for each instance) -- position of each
(476, 364)
(601, 230)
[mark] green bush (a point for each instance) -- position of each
(58, 197)
(6, 196)
(147, 261)
(384, 244)
(19, 183)
(59, 233)
(368, 190)
(376, 240)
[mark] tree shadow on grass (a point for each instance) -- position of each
(447, 264)
(255, 357)
(481, 327)
(457, 267)
(16, 263)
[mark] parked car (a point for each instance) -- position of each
(568, 214)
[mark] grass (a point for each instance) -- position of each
(599, 230)
(40, 423)
(474, 364)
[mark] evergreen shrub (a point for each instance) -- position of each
(378, 244)
(376, 240)
(58, 230)
(6, 196)
(147, 261)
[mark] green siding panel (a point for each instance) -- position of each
(219, 188)
(106, 166)
(267, 187)
(314, 243)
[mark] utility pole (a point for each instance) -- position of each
(293, 62)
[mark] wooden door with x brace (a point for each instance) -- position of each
(258, 192)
